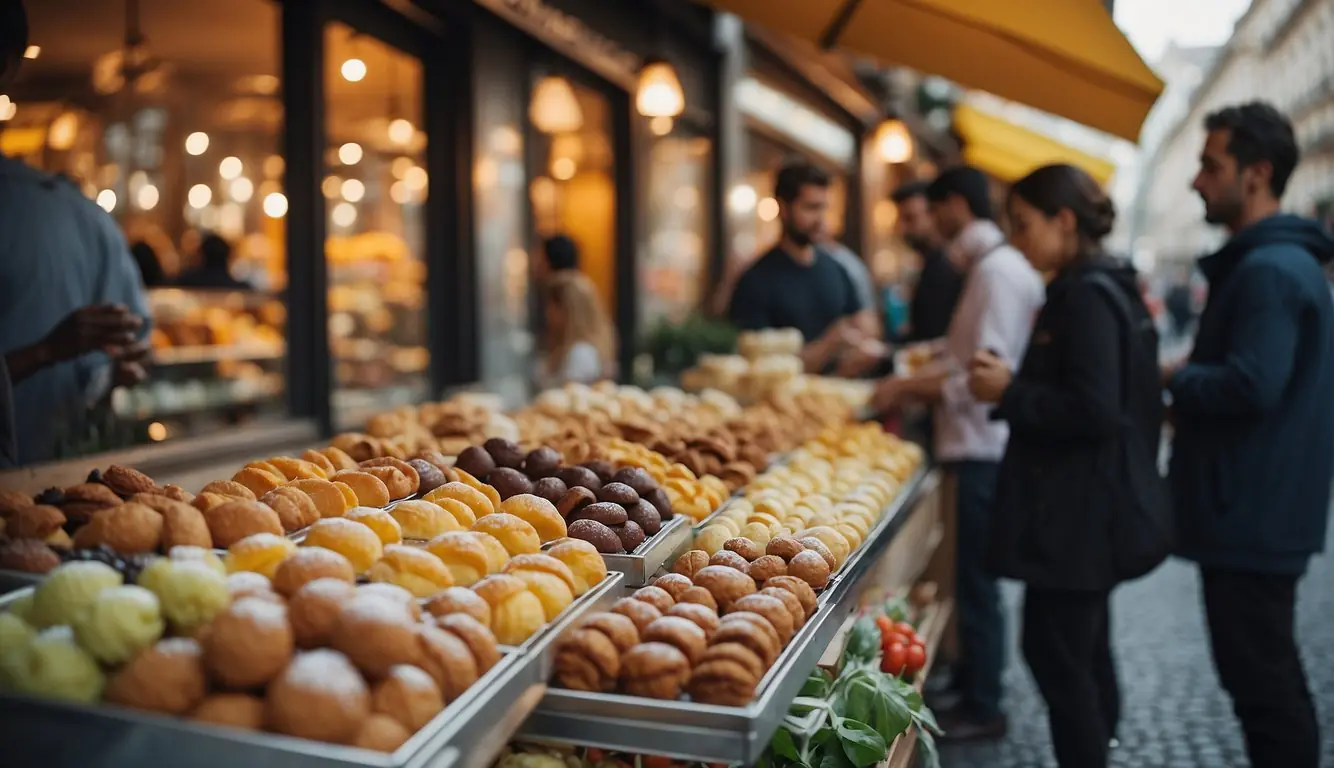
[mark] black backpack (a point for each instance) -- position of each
(1142, 531)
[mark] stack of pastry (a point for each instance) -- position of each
(713, 639)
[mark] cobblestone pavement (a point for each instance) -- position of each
(1175, 715)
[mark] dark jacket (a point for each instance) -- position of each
(934, 299)
(1253, 455)
(1073, 414)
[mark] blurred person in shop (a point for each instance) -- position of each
(150, 268)
(73, 318)
(1253, 449)
(559, 254)
(1084, 411)
(939, 282)
(797, 284)
(1001, 295)
(215, 267)
(581, 343)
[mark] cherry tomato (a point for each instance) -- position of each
(915, 658)
(885, 624)
(894, 659)
(904, 628)
(892, 637)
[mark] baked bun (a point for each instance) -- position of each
(229, 488)
(618, 628)
(261, 553)
(690, 563)
(384, 525)
(167, 677)
(584, 561)
(727, 677)
(810, 568)
(128, 529)
(408, 695)
(491, 494)
(727, 585)
(731, 560)
(638, 611)
(339, 459)
(463, 554)
(699, 596)
(479, 639)
(259, 481)
(308, 564)
(234, 710)
(371, 490)
(298, 469)
(398, 484)
(381, 733)
(799, 588)
(320, 696)
(673, 584)
(537, 512)
(462, 513)
(460, 600)
(295, 508)
(229, 523)
(409, 472)
(447, 659)
(355, 541)
(516, 613)
(314, 609)
(588, 661)
(248, 644)
(416, 570)
(654, 670)
(756, 620)
(476, 501)
(422, 521)
(703, 617)
(655, 596)
(328, 499)
(553, 591)
(517, 536)
(394, 594)
(684, 634)
(319, 460)
(749, 636)
(790, 601)
(772, 609)
(375, 634)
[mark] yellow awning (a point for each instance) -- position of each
(1010, 152)
(1062, 56)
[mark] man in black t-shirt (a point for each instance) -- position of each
(795, 285)
(940, 282)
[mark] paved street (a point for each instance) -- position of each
(1175, 713)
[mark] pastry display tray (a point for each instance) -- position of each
(12, 580)
(469, 733)
(660, 549)
(711, 733)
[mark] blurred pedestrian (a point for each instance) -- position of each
(1084, 412)
(939, 282)
(1253, 456)
(559, 254)
(150, 268)
(580, 338)
(1001, 295)
(72, 312)
(215, 267)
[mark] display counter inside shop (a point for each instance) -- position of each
(876, 511)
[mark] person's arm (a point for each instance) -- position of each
(85, 330)
(1086, 403)
(1261, 347)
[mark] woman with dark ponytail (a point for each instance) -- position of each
(1080, 505)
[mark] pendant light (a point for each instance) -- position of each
(894, 141)
(659, 91)
(554, 107)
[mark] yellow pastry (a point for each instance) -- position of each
(542, 564)
(837, 543)
(496, 554)
(378, 520)
(206, 501)
(339, 459)
(462, 513)
(321, 461)
(537, 512)
(758, 532)
(514, 533)
(491, 494)
(357, 542)
(480, 504)
(416, 570)
(423, 520)
(259, 481)
(851, 533)
(370, 490)
(711, 538)
(260, 552)
(583, 560)
(308, 564)
(229, 488)
(463, 554)
(295, 509)
(516, 613)
(264, 465)
(349, 495)
(329, 501)
(554, 594)
(298, 469)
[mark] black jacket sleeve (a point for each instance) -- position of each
(1083, 397)
(747, 310)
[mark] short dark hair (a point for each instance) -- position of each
(561, 253)
(216, 251)
(795, 175)
(908, 191)
(1258, 133)
(966, 182)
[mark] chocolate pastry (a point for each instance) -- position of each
(655, 671)
(772, 609)
(704, 617)
(542, 462)
(637, 479)
(430, 474)
(604, 512)
(744, 547)
(646, 516)
(588, 661)
(618, 493)
(631, 535)
(766, 568)
(784, 547)
(730, 560)
(659, 499)
(600, 536)
(509, 482)
(673, 584)
(690, 563)
(699, 596)
(618, 628)
(684, 634)
(638, 611)
(603, 469)
(580, 476)
(507, 453)
(476, 461)
(655, 596)
(552, 489)
(574, 500)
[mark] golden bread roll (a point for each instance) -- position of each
(584, 561)
(409, 696)
(537, 512)
(416, 570)
(381, 733)
(516, 613)
(320, 696)
(447, 660)
(307, 564)
(259, 481)
(553, 592)
(514, 533)
(491, 494)
(544, 563)
(261, 553)
(375, 634)
(229, 523)
(477, 636)
(370, 490)
(182, 525)
(460, 600)
(378, 520)
(349, 495)
(313, 610)
(206, 501)
(477, 502)
(321, 461)
(298, 469)
(423, 520)
(229, 488)
(328, 499)
(248, 644)
(463, 554)
(339, 459)
(355, 541)
(399, 485)
(409, 471)
(295, 509)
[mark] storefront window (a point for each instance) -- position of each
(375, 190)
(177, 137)
(673, 269)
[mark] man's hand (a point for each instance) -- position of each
(988, 377)
(888, 395)
(130, 364)
(102, 327)
(861, 357)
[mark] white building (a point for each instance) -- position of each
(1281, 51)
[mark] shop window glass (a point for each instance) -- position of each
(178, 138)
(375, 190)
(674, 264)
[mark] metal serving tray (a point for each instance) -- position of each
(12, 580)
(710, 733)
(662, 548)
(469, 733)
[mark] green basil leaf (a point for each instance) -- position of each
(930, 753)
(863, 641)
(861, 697)
(835, 758)
(927, 720)
(824, 738)
(891, 717)
(816, 685)
(863, 746)
(784, 746)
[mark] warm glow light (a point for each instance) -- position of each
(415, 178)
(344, 214)
(106, 199)
(32, 52)
(230, 167)
(349, 153)
(196, 143)
(554, 108)
(274, 166)
(64, 129)
(354, 70)
(199, 196)
(353, 190)
(894, 142)
(563, 168)
(242, 190)
(147, 197)
(7, 108)
(157, 432)
(742, 198)
(660, 126)
(659, 91)
(275, 205)
(767, 209)
(332, 186)
(400, 193)
(401, 131)
(401, 166)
